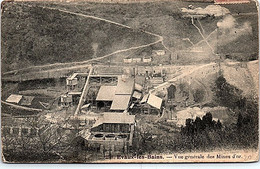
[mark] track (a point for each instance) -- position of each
(21, 107)
(183, 75)
(203, 37)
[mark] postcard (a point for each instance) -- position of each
(129, 81)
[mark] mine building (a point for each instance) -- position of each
(71, 83)
(102, 79)
(137, 95)
(75, 82)
(123, 94)
(112, 132)
(155, 81)
(151, 104)
(105, 97)
(66, 100)
(116, 98)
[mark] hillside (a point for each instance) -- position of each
(32, 35)
(166, 19)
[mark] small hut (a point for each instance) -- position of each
(66, 100)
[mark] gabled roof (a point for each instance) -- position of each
(106, 93)
(154, 101)
(14, 98)
(118, 118)
(125, 86)
(120, 102)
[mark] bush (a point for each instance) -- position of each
(199, 125)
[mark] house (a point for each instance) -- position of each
(160, 52)
(112, 132)
(147, 59)
(137, 60)
(76, 81)
(127, 60)
(132, 60)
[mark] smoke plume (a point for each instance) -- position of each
(230, 30)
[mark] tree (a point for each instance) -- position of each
(198, 126)
(171, 92)
(239, 121)
(226, 94)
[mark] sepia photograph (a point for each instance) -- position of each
(129, 81)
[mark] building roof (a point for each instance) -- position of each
(137, 95)
(120, 102)
(125, 86)
(138, 87)
(144, 99)
(154, 101)
(73, 76)
(14, 98)
(106, 93)
(85, 106)
(74, 93)
(118, 118)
